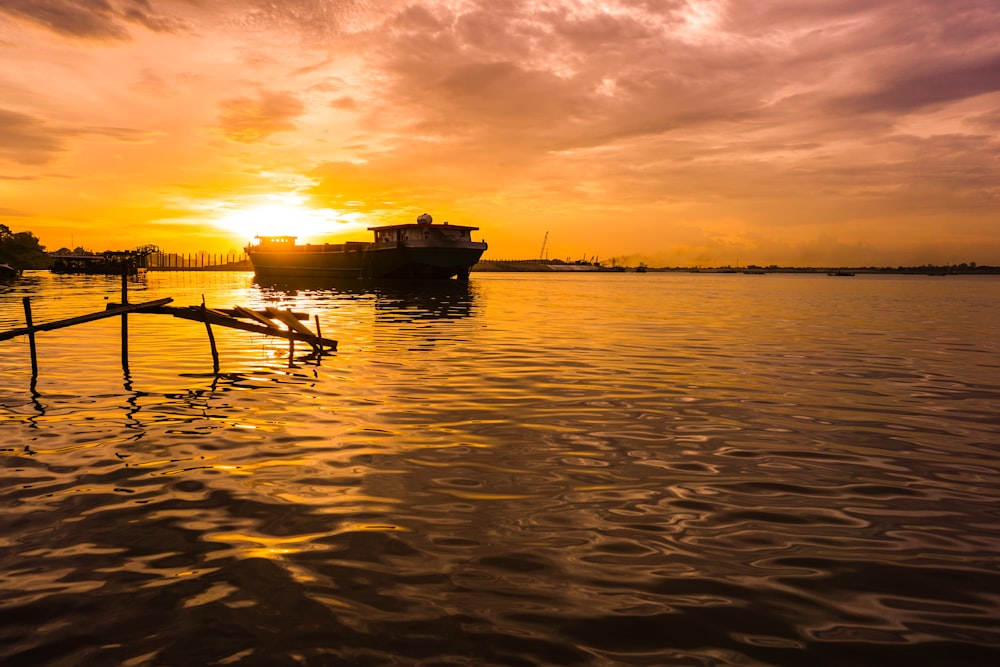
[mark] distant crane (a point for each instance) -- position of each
(541, 254)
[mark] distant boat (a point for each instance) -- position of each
(641, 268)
(8, 272)
(840, 273)
(419, 250)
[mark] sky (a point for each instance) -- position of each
(674, 132)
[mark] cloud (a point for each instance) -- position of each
(317, 22)
(101, 20)
(923, 84)
(28, 140)
(777, 115)
(13, 213)
(249, 120)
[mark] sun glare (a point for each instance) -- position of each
(284, 216)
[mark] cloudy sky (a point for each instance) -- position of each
(677, 132)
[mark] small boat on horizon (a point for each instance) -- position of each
(420, 250)
(840, 273)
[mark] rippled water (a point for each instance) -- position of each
(622, 469)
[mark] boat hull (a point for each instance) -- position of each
(418, 263)
(410, 251)
(298, 264)
(370, 263)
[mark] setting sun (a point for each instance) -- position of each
(286, 215)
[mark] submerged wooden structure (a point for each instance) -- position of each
(269, 322)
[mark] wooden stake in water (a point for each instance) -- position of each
(125, 317)
(125, 343)
(31, 335)
(211, 340)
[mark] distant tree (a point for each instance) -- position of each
(22, 250)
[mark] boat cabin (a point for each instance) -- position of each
(276, 242)
(422, 232)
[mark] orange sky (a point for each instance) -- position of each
(676, 132)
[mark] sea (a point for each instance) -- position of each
(524, 469)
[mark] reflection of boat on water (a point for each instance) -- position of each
(395, 299)
(417, 250)
(8, 272)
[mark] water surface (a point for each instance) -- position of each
(528, 469)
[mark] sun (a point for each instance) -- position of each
(284, 215)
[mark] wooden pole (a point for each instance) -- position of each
(125, 343)
(124, 283)
(196, 314)
(125, 267)
(31, 335)
(319, 333)
(211, 339)
(112, 311)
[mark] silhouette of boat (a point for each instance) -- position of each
(8, 272)
(840, 273)
(417, 250)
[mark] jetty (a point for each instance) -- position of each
(269, 321)
(109, 262)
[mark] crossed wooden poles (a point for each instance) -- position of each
(267, 321)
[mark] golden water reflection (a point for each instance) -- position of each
(587, 469)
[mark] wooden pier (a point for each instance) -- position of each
(269, 322)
